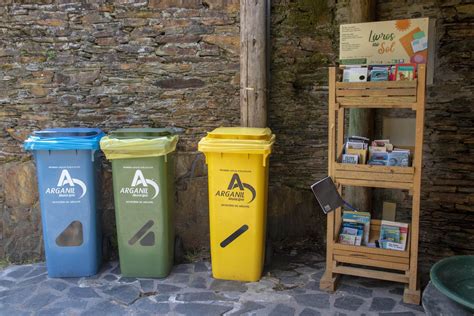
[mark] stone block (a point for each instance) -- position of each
(227, 5)
(180, 83)
(20, 184)
(165, 4)
(227, 42)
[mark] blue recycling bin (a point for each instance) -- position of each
(68, 168)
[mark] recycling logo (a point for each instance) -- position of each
(140, 186)
(67, 185)
(238, 190)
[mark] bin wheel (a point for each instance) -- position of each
(268, 252)
(178, 250)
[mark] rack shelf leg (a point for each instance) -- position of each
(411, 296)
(329, 281)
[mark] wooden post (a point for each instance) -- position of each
(361, 121)
(253, 63)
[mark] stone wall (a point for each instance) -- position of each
(175, 63)
(110, 65)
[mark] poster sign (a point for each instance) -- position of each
(384, 43)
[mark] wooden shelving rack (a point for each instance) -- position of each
(392, 265)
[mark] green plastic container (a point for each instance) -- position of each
(143, 180)
(454, 277)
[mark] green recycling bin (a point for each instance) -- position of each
(143, 181)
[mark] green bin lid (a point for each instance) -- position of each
(144, 132)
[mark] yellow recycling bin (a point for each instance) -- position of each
(237, 159)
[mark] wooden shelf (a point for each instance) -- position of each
(387, 94)
(362, 104)
(374, 257)
(392, 265)
(374, 176)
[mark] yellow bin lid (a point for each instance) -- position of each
(242, 140)
(249, 133)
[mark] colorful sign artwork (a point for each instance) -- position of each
(383, 43)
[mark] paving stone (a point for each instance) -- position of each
(9, 310)
(127, 280)
(201, 309)
(104, 295)
(166, 288)
(200, 296)
(53, 311)
(317, 276)
(305, 270)
(69, 303)
(6, 283)
(284, 273)
(355, 290)
(312, 285)
(72, 280)
(82, 292)
(19, 271)
(225, 286)
(148, 305)
(147, 285)
(382, 304)
(282, 310)
(397, 290)
(34, 280)
(39, 300)
(54, 284)
(292, 281)
(105, 308)
(247, 307)
(183, 268)
(313, 300)
(298, 290)
(160, 297)
(351, 303)
(110, 277)
(198, 282)
(179, 278)
(397, 314)
(309, 312)
(94, 283)
(116, 270)
(201, 267)
(374, 283)
(124, 293)
(411, 306)
(36, 271)
(17, 295)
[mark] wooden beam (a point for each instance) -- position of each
(253, 63)
(361, 121)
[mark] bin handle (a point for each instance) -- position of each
(265, 156)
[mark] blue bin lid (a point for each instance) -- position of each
(65, 139)
(68, 132)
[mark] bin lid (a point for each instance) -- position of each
(144, 132)
(250, 133)
(140, 142)
(67, 132)
(243, 140)
(74, 138)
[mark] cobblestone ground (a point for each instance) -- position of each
(191, 290)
